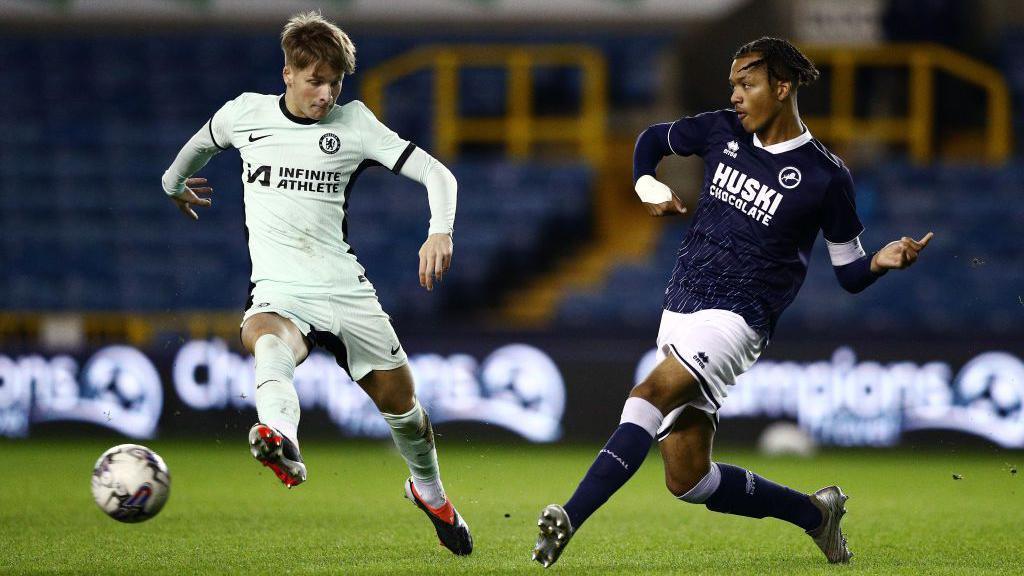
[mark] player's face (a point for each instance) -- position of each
(753, 96)
(314, 89)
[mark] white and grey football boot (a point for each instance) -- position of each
(831, 501)
(275, 451)
(555, 532)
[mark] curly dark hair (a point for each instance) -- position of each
(782, 60)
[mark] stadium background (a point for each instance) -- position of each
(119, 318)
(535, 107)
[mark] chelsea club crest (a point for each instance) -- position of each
(330, 143)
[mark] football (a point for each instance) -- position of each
(786, 439)
(130, 483)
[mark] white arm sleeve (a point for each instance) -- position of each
(191, 158)
(845, 253)
(212, 138)
(442, 189)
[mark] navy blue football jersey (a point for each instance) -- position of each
(758, 216)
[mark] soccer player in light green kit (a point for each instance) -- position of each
(301, 154)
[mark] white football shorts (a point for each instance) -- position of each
(715, 346)
(349, 323)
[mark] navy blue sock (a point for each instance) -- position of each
(613, 467)
(744, 493)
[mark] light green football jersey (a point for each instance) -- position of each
(297, 175)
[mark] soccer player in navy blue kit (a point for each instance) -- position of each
(769, 186)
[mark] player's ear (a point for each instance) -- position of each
(286, 74)
(783, 89)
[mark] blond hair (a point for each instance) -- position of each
(308, 38)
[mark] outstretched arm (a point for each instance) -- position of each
(177, 181)
(442, 195)
(857, 273)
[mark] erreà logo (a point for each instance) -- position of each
(731, 149)
(789, 177)
(330, 143)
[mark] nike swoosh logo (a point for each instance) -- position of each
(251, 139)
(262, 383)
(395, 350)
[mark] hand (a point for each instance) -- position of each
(672, 207)
(899, 254)
(658, 198)
(435, 259)
(190, 197)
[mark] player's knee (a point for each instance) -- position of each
(392, 391)
(271, 324)
(663, 393)
(391, 403)
(273, 354)
(390, 398)
(668, 386)
(679, 485)
(683, 479)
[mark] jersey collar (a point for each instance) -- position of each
(780, 147)
(293, 117)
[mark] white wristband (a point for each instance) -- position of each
(651, 191)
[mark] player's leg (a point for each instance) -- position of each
(375, 359)
(686, 453)
(278, 347)
(691, 476)
(393, 393)
(667, 387)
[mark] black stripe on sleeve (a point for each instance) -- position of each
(401, 159)
(209, 125)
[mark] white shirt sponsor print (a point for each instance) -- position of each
(748, 195)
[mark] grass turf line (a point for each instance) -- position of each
(227, 515)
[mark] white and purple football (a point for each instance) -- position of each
(130, 483)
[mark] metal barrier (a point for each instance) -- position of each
(28, 329)
(520, 127)
(916, 130)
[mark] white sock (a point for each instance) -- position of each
(705, 487)
(642, 413)
(414, 438)
(277, 404)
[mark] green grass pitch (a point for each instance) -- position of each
(227, 515)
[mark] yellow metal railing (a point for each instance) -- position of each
(916, 130)
(135, 328)
(520, 128)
